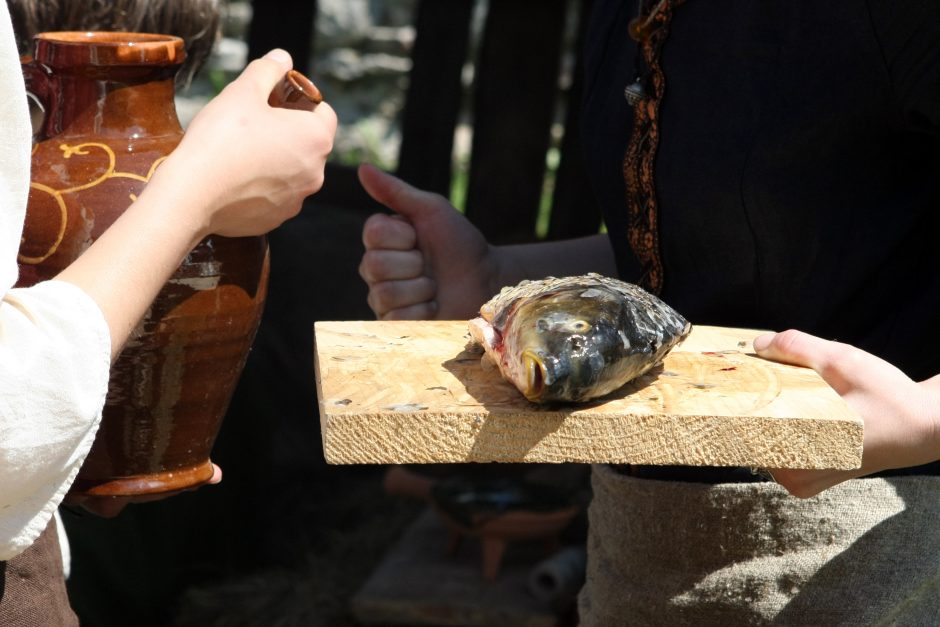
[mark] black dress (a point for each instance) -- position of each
(798, 166)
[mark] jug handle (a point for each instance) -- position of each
(295, 91)
(39, 92)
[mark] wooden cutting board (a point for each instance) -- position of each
(414, 392)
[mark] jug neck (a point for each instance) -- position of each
(105, 83)
(103, 106)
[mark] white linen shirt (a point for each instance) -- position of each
(55, 347)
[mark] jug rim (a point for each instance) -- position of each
(107, 48)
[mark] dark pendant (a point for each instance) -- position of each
(635, 93)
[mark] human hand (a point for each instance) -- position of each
(111, 506)
(427, 261)
(901, 416)
(249, 165)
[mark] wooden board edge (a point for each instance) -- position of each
(395, 438)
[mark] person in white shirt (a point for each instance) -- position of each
(58, 338)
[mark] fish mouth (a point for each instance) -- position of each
(535, 375)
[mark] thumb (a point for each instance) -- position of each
(267, 71)
(402, 198)
(802, 349)
(841, 365)
(789, 347)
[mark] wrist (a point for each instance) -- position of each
(506, 268)
(931, 415)
(179, 203)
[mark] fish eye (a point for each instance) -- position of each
(580, 326)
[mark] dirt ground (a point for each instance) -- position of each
(341, 530)
(172, 565)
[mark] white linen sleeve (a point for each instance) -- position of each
(55, 353)
(55, 347)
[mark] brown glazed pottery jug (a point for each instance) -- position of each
(109, 121)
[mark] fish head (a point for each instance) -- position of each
(565, 342)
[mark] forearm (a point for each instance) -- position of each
(128, 265)
(557, 258)
(931, 408)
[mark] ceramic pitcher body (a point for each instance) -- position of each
(110, 120)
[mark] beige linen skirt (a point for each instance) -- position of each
(866, 552)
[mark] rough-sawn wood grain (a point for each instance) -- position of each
(413, 392)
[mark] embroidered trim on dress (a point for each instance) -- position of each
(642, 206)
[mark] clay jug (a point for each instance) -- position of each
(110, 120)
